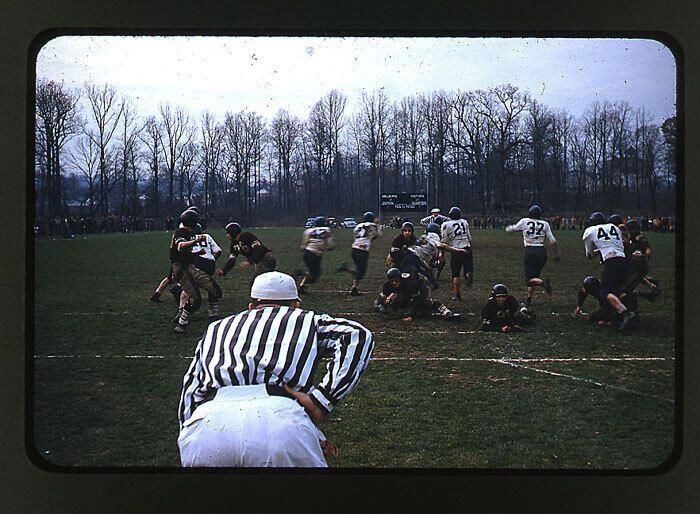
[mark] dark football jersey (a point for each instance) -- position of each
(250, 247)
(185, 256)
(500, 315)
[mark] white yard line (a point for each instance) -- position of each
(518, 365)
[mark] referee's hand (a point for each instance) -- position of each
(314, 411)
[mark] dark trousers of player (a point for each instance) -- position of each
(266, 264)
(411, 262)
(534, 259)
(638, 269)
(615, 273)
(192, 280)
(361, 260)
(313, 264)
(461, 261)
(609, 315)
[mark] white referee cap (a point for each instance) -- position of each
(274, 285)
(435, 211)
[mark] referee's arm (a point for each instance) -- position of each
(193, 386)
(350, 345)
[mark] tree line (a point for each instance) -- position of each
(488, 151)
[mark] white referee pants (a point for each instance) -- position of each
(245, 427)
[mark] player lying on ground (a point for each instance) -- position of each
(411, 290)
(604, 315)
(246, 403)
(364, 233)
(455, 233)
(400, 244)
(190, 278)
(503, 313)
(248, 245)
(605, 240)
(314, 243)
(536, 232)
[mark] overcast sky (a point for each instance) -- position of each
(264, 74)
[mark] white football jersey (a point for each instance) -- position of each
(317, 240)
(606, 238)
(365, 233)
(209, 246)
(456, 233)
(534, 231)
(426, 247)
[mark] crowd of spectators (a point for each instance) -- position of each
(69, 226)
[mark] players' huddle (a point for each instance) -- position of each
(415, 263)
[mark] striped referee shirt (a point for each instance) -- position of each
(276, 345)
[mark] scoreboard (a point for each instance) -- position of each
(401, 202)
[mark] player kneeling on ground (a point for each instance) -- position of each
(605, 314)
(411, 290)
(638, 252)
(503, 313)
(190, 278)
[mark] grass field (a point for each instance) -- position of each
(566, 395)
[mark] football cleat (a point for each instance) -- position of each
(453, 317)
(457, 297)
(155, 298)
(547, 285)
(627, 317)
(355, 292)
(180, 328)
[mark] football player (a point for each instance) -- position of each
(503, 313)
(604, 315)
(176, 290)
(638, 252)
(190, 278)
(438, 219)
(314, 243)
(536, 232)
(248, 245)
(420, 255)
(400, 244)
(206, 253)
(456, 233)
(605, 240)
(364, 233)
(411, 290)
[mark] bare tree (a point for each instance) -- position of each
(105, 112)
(150, 137)
(211, 155)
(128, 143)
(85, 160)
(56, 123)
(502, 106)
(176, 133)
(285, 134)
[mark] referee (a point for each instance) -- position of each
(248, 399)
